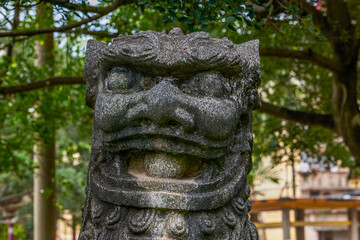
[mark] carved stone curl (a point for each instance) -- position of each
(172, 137)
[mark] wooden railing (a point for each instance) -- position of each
(285, 205)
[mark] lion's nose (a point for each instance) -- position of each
(164, 105)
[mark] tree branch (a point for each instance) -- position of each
(27, 6)
(357, 29)
(308, 54)
(102, 34)
(104, 11)
(6, 18)
(357, 36)
(338, 12)
(49, 30)
(307, 118)
(311, 119)
(54, 81)
(84, 8)
(318, 18)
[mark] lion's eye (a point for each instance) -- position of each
(208, 84)
(211, 85)
(118, 80)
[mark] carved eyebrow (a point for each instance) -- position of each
(159, 53)
(147, 53)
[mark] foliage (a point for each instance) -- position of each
(74, 154)
(198, 15)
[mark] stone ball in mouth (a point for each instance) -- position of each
(165, 165)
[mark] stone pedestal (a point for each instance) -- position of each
(172, 138)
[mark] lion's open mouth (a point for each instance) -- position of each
(165, 153)
(161, 171)
(162, 159)
(163, 165)
(182, 170)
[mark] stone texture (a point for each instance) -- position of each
(172, 138)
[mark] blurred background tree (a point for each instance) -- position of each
(309, 57)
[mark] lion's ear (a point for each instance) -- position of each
(94, 53)
(250, 53)
(251, 63)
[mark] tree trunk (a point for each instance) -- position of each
(73, 225)
(44, 190)
(346, 114)
(346, 111)
(44, 149)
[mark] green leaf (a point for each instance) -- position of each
(169, 17)
(197, 15)
(231, 27)
(229, 19)
(187, 20)
(204, 27)
(257, 27)
(251, 14)
(321, 36)
(237, 10)
(213, 2)
(160, 9)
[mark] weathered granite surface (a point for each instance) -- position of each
(172, 137)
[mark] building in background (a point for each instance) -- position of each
(311, 181)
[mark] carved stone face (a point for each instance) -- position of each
(172, 131)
